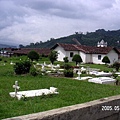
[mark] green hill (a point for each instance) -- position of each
(7, 46)
(90, 38)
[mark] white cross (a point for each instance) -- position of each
(16, 87)
(79, 73)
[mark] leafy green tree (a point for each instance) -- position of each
(116, 65)
(68, 71)
(22, 67)
(53, 56)
(33, 55)
(106, 60)
(67, 66)
(66, 59)
(77, 58)
(21, 46)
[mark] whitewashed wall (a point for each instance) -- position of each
(95, 58)
(113, 56)
(89, 58)
(61, 53)
(83, 56)
(68, 54)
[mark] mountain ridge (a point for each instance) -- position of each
(90, 39)
(7, 46)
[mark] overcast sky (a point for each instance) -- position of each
(27, 21)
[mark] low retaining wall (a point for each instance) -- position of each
(102, 109)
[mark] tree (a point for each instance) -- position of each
(22, 67)
(106, 60)
(66, 59)
(53, 56)
(21, 46)
(116, 65)
(33, 55)
(77, 58)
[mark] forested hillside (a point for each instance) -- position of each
(90, 38)
(6, 46)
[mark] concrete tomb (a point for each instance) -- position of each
(96, 73)
(31, 93)
(103, 80)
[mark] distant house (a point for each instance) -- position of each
(25, 51)
(7, 52)
(89, 54)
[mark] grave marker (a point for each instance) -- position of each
(16, 87)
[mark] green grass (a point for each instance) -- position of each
(102, 67)
(70, 92)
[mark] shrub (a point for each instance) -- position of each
(66, 59)
(77, 58)
(115, 76)
(53, 56)
(106, 60)
(83, 72)
(22, 67)
(27, 66)
(33, 55)
(5, 61)
(117, 81)
(67, 66)
(33, 71)
(116, 65)
(68, 73)
(0, 59)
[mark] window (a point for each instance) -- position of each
(99, 57)
(71, 54)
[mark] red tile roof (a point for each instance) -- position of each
(68, 47)
(85, 49)
(25, 51)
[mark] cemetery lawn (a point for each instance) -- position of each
(71, 92)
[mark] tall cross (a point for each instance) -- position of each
(16, 87)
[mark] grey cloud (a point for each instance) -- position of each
(35, 20)
(59, 8)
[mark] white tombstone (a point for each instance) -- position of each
(79, 73)
(58, 65)
(88, 70)
(11, 63)
(44, 64)
(51, 66)
(16, 87)
(37, 64)
(34, 66)
(43, 67)
(83, 69)
(103, 80)
(33, 93)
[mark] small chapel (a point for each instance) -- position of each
(102, 43)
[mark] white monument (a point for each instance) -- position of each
(44, 64)
(33, 93)
(79, 73)
(16, 87)
(103, 80)
(43, 67)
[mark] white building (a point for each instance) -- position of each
(102, 43)
(88, 54)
